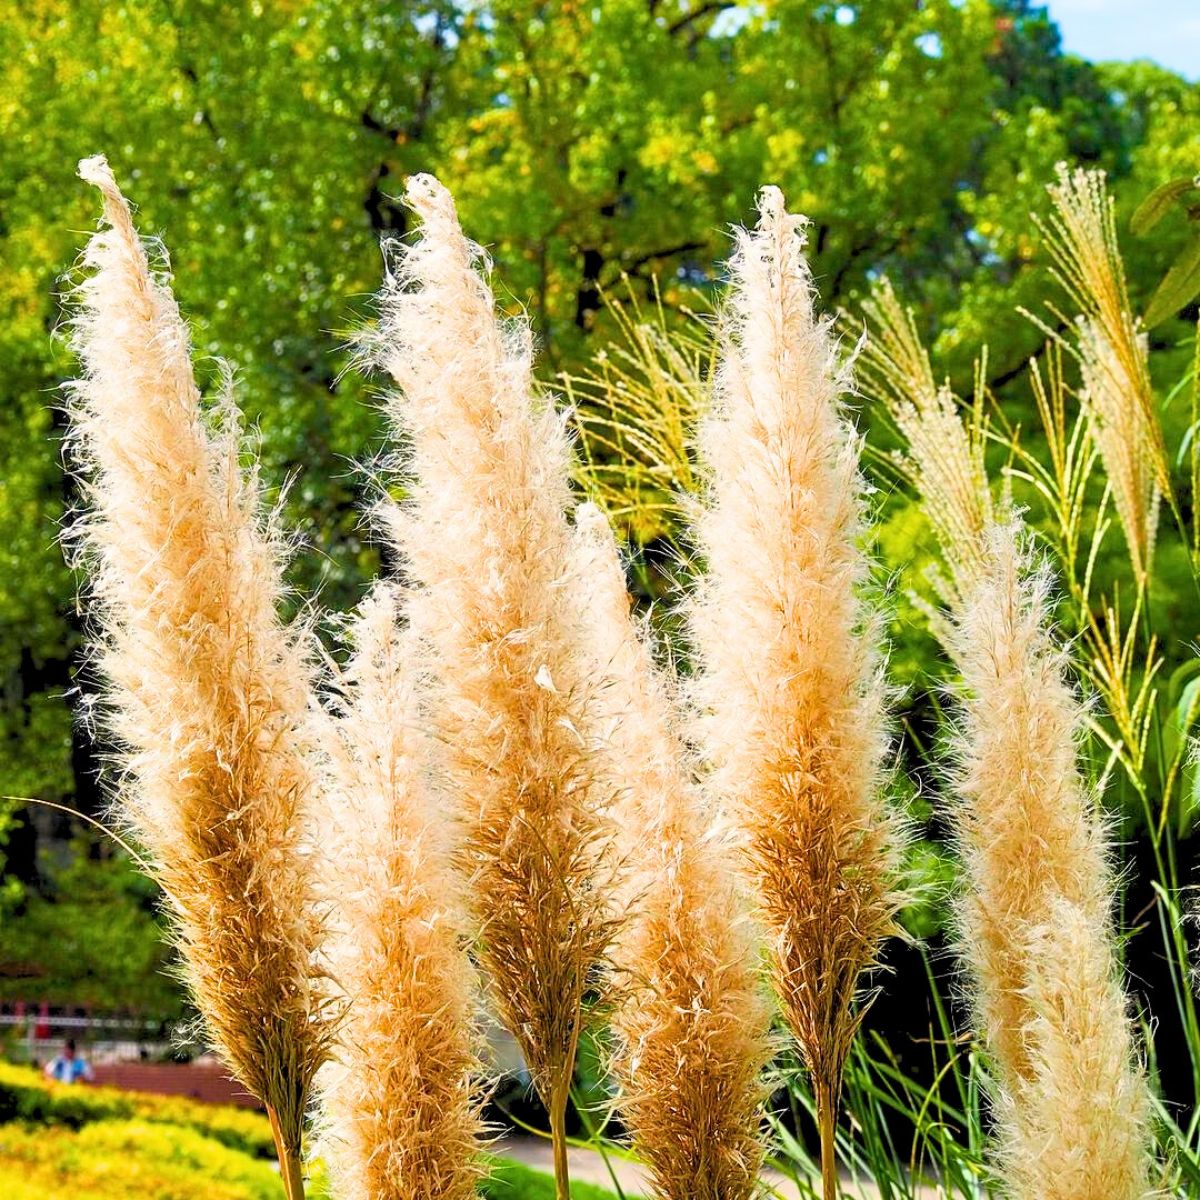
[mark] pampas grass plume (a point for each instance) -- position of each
(208, 692)
(690, 1019)
(1035, 923)
(789, 679)
(486, 540)
(402, 1123)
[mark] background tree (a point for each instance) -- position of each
(587, 143)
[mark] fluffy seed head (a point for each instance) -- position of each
(1078, 1126)
(1082, 239)
(690, 1020)
(789, 682)
(943, 456)
(1035, 924)
(402, 1123)
(486, 540)
(207, 691)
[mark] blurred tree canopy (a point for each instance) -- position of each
(587, 142)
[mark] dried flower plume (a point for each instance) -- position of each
(486, 540)
(789, 680)
(691, 1021)
(402, 1121)
(208, 691)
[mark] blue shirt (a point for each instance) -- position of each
(68, 1070)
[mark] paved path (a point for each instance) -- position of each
(589, 1166)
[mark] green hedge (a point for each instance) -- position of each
(27, 1096)
(511, 1180)
(127, 1160)
(60, 1142)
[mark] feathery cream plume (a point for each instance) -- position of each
(208, 691)
(691, 1021)
(943, 458)
(1113, 354)
(486, 539)
(1035, 925)
(402, 1121)
(1079, 1128)
(789, 683)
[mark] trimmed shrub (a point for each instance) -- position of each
(26, 1095)
(127, 1160)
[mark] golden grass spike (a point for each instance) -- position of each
(402, 1122)
(1082, 239)
(486, 539)
(691, 1020)
(1035, 925)
(208, 691)
(944, 457)
(790, 683)
(636, 410)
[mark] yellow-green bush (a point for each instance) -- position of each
(26, 1095)
(154, 1160)
(127, 1160)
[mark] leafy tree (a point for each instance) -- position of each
(91, 939)
(586, 142)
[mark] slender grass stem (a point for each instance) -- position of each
(559, 1095)
(827, 1124)
(289, 1161)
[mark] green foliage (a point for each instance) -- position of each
(586, 143)
(91, 938)
(511, 1180)
(1182, 281)
(59, 1142)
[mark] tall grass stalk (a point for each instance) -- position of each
(486, 541)
(789, 686)
(207, 692)
(636, 407)
(402, 1120)
(1035, 921)
(691, 1019)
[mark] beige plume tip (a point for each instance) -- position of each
(771, 204)
(96, 171)
(430, 199)
(773, 214)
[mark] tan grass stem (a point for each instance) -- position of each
(789, 680)
(486, 540)
(690, 1019)
(208, 692)
(402, 1121)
